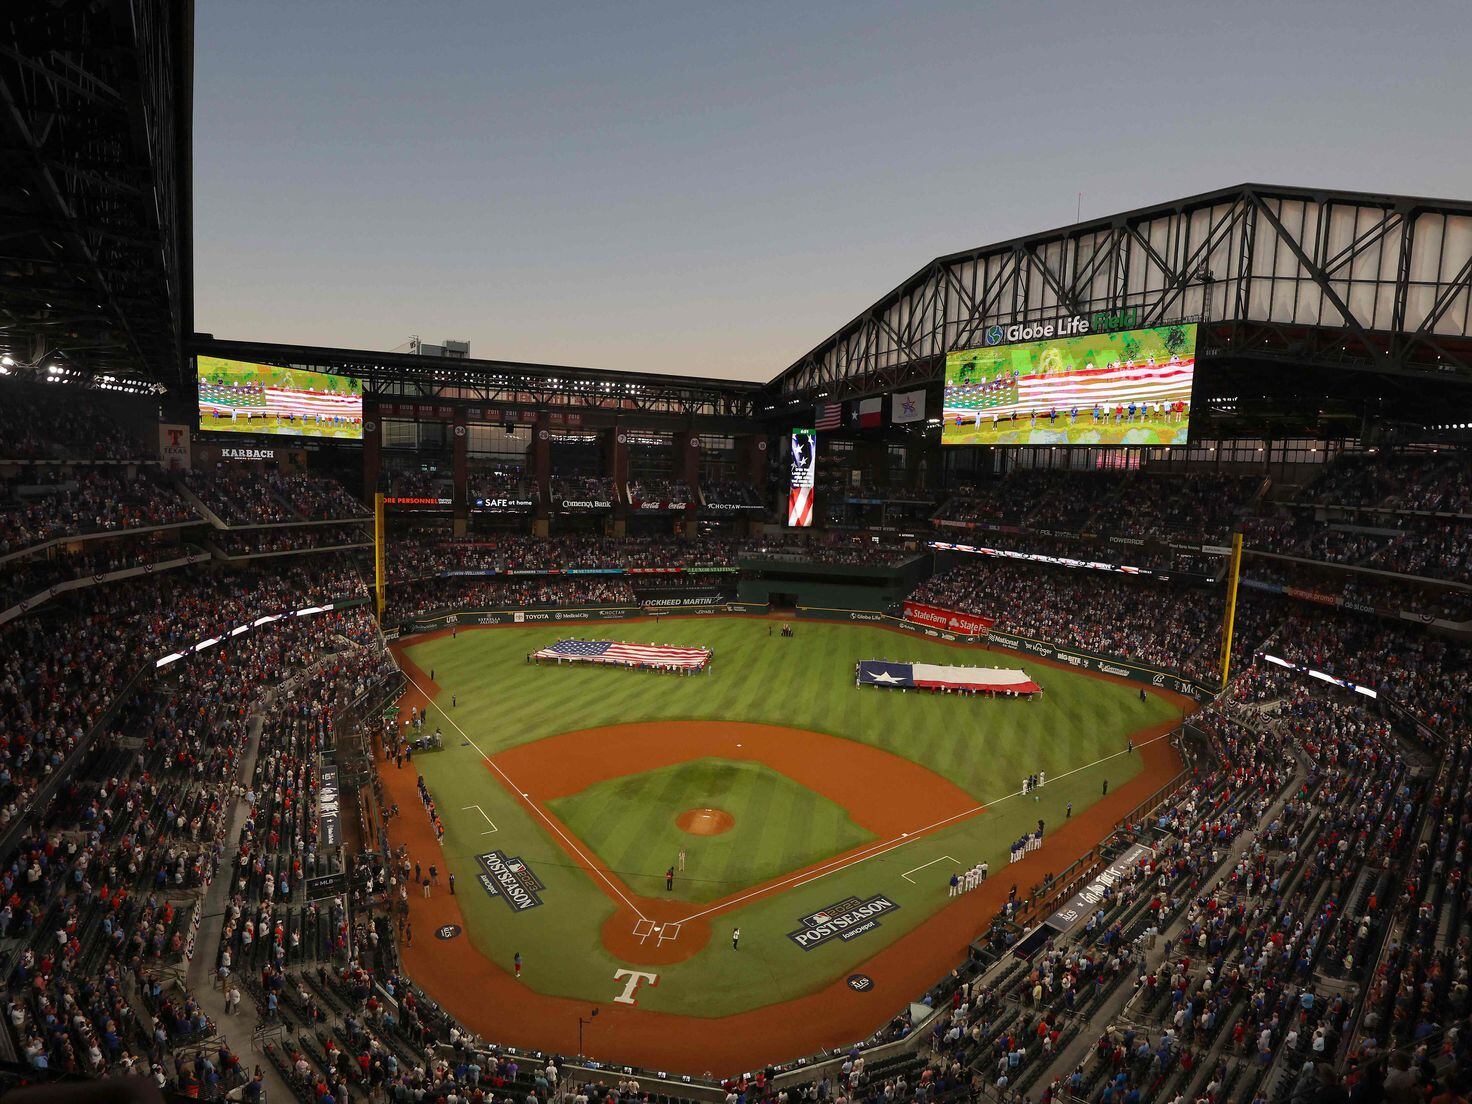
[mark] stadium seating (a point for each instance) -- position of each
(47, 504)
(38, 422)
(1201, 508)
(247, 497)
(1305, 900)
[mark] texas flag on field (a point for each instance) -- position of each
(934, 676)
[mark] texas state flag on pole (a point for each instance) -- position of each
(869, 413)
(907, 406)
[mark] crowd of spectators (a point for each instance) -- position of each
(828, 549)
(61, 668)
(65, 423)
(414, 483)
(99, 889)
(1438, 482)
(435, 594)
(581, 488)
(1154, 557)
(425, 556)
(255, 542)
(1362, 589)
(1428, 675)
(1156, 623)
(729, 492)
(249, 496)
(1287, 860)
(655, 489)
(500, 484)
(29, 578)
(43, 504)
(1197, 508)
(1403, 544)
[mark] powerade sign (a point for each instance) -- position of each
(845, 920)
(510, 880)
(1073, 325)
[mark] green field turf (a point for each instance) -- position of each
(780, 826)
(986, 746)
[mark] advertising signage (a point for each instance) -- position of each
(236, 396)
(1065, 383)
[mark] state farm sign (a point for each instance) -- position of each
(967, 624)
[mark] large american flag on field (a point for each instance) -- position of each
(1107, 386)
(625, 655)
(253, 398)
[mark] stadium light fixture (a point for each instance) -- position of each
(7, 361)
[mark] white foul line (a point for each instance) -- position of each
(572, 847)
(482, 812)
(885, 846)
(922, 866)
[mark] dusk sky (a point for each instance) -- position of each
(712, 189)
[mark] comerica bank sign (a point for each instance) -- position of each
(1072, 325)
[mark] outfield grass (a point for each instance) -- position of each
(1075, 732)
(780, 826)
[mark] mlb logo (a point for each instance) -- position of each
(818, 918)
(516, 867)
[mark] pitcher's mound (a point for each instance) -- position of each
(704, 822)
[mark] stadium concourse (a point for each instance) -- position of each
(1290, 916)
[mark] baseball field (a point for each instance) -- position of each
(616, 828)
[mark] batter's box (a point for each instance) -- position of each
(662, 933)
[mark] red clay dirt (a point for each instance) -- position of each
(705, 822)
(840, 770)
(490, 1001)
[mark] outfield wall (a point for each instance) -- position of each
(1084, 661)
(447, 618)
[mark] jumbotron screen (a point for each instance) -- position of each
(804, 444)
(236, 396)
(1129, 387)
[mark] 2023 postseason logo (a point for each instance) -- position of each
(511, 880)
(846, 919)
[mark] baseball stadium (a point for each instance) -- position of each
(1052, 686)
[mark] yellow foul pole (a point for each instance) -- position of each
(1229, 618)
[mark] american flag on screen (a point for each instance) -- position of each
(626, 655)
(325, 404)
(253, 398)
(224, 398)
(1108, 386)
